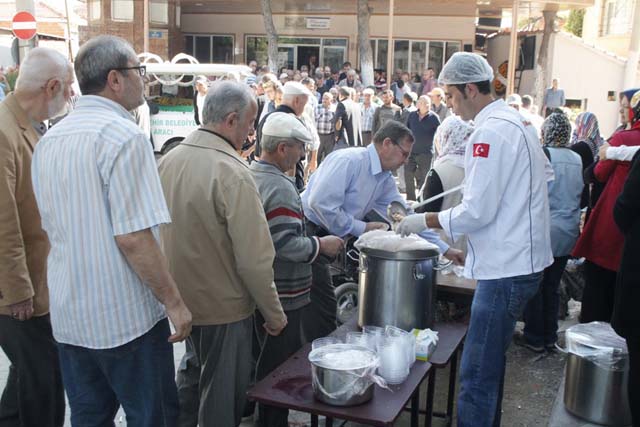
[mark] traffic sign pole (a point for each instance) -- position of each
(26, 45)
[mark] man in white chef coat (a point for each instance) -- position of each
(505, 215)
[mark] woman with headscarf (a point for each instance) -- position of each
(601, 241)
(541, 313)
(449, 143)
(626, 316)
(586, 140)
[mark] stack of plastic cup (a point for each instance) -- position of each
(374, 335)
(410, 341)
(394, 366)
(321, 342)
(361, 339)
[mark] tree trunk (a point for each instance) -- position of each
(272, 35)
(542, 78)
(364, 45)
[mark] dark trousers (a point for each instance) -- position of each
(541, 313)
(33, 395)
(327, 142)
(367, 137)
(224, 354)
(598, 294)
(319, 320)
(415, 172)
(188, 382)
(138, 375)
(633, 345)
(273, 352)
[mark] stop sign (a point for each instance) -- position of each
(24, 25)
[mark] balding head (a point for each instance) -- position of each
(40, 66)
(44, 84)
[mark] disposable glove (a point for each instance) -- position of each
(412, 224)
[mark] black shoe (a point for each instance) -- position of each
(519, 339)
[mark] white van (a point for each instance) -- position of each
(172, 119)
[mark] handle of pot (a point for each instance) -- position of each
(364, 265)
(418, 274)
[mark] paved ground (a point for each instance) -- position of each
(530, 390)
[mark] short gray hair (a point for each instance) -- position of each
(226, 97)
(269, 143)
(39, 66)
(97, 57)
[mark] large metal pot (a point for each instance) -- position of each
(397, 288)
(595, 393)
(341, 385)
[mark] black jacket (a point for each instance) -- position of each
(626, 213)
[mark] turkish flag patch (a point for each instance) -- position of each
(480, 150)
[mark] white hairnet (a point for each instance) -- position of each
(465, 67)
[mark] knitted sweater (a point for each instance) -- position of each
(294, 250)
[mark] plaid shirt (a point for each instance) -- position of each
(324, 119)
(367, 117)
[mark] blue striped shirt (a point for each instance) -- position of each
(94, 178)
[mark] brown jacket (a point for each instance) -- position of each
(23, 244)
(218, 245)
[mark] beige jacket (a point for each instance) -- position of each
(23, 244)
(218, 244)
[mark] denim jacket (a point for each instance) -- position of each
(564, 200)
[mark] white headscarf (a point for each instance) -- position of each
(451, 139)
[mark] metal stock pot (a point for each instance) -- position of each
(397, 288)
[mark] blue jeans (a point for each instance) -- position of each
(497, 304)
(138, 375)
(541, 313)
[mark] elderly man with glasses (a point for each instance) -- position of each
(347, 192)
(97, 187)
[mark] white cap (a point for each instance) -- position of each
(286, 126)
(465, 67)
(514, 99)
(368, 91)
(284, 76)
(295, 88)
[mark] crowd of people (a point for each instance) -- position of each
(230, 236)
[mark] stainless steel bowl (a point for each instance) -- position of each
(340, 386)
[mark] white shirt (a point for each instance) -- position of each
(622, 153)
(505, 208)
(200, 103)
(95, 177)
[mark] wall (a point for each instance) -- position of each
(170, 44)
(585, 73)
(417, 27)
(618, 44)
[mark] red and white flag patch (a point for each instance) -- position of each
(480, 150)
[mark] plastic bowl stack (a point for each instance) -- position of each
(323, 342)
(394, 366)
(410, 341)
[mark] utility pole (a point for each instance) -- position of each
(66, 9)
(390, 46)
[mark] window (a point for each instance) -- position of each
(95, 10)
(159, 12)
(617, 17)
(210, 49)
(380, 50)
(414, 56)
(293, 51)
(178, 11)
(122, 10)
(400, 55)
(436, 57)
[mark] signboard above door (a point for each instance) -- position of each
(318, 23)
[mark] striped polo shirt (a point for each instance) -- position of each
(94, 178)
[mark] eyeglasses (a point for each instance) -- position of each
(404, 152)
(142, 69)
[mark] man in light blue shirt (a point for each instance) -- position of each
(346, 188)
(100, 199)
(553, 98)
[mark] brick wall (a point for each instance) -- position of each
(133, 31)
